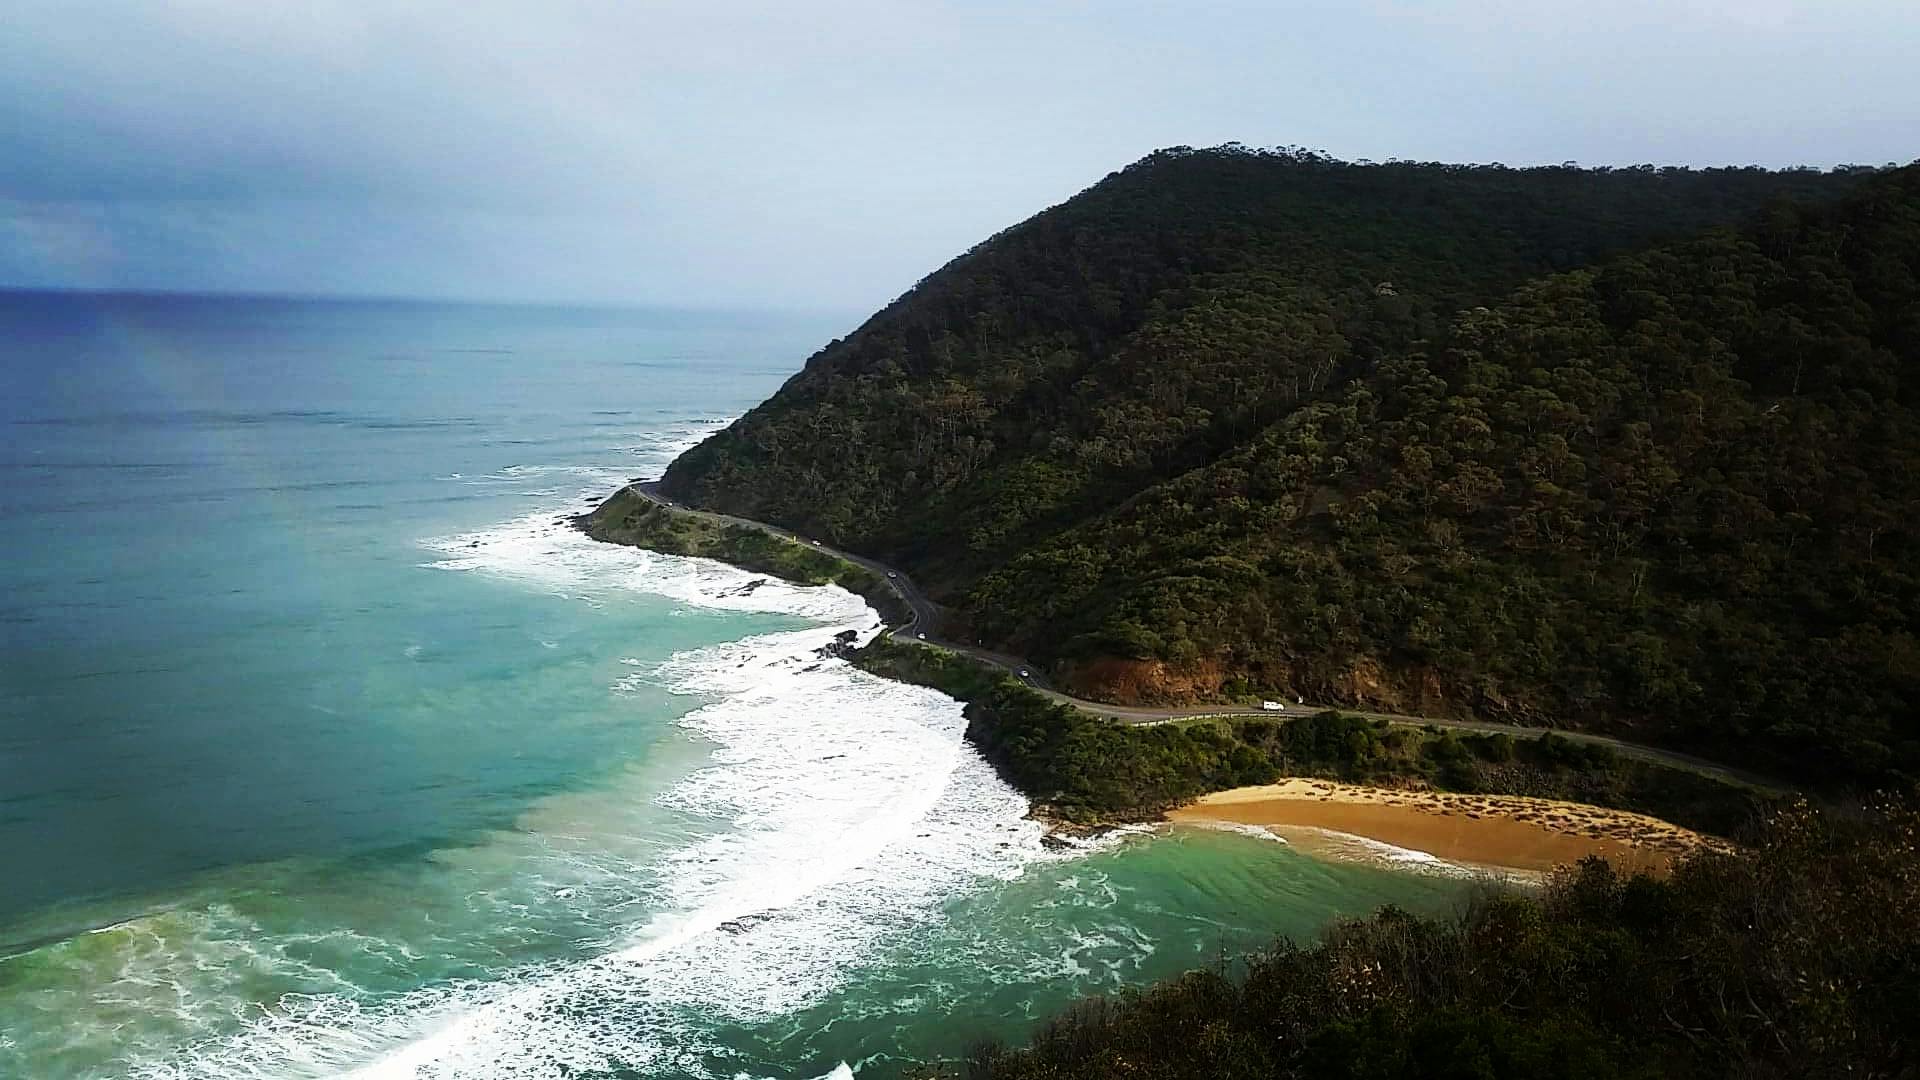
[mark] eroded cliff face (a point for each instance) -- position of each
(1144, 682)
(1366, 684)
(1414, 689)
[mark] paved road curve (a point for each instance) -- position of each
(926, 619)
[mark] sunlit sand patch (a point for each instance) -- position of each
(1503, 831)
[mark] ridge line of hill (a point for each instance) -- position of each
(1628, 451)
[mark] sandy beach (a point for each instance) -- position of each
(1508, 832)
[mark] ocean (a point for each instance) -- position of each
(327, 748)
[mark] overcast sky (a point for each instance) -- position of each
(822, 155)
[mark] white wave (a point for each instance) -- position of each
(657, 449)
(544, 549)
(847, 811)
(1367, 849)
(646, 453)
(1258, 832)
(1397, 854)
(837, 815)
(600, 478)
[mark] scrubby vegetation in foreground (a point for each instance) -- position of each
(1799, 957)
(1082, 768)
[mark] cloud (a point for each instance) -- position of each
(820, 154)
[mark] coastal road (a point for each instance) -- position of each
(926, 614)
(926, 620)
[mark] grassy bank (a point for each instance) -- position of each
(627, 518)
(1081, 768)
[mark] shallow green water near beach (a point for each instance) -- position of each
(327, 748)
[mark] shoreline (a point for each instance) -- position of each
(1502, 832)
(1525, 835)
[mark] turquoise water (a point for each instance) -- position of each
(326, 748)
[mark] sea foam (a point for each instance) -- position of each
(1368, 850)
(835, 816)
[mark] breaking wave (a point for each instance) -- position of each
(832, 813)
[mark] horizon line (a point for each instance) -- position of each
(272, 296)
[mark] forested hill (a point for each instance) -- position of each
(1540, 444)
(1150, 323)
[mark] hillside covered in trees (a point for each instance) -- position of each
(1631, 449)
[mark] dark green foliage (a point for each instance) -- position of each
(1079, 767)
(1630, 495)
(1794, 959)
(1455, 1043)
(1083, 768)
(1166, 314)
(626, 518)
(1559, 752)
(1495, 748)
(951, 673)
(1296, 422)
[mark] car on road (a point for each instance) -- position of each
(891, 574)
(1273, 706)
(816, 543)
(922, 637)
(1025, 674)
